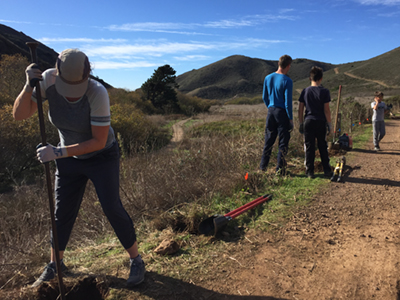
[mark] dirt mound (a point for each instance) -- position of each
(83, 289)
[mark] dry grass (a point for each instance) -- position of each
(167, 189)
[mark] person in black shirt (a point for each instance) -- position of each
(315, 123)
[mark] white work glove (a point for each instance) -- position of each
(329, 128)
(33, 75)
(49, 152)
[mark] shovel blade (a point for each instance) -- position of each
(206, 226)
(220, 222)
(213, 224)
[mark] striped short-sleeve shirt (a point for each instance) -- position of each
(74, 119)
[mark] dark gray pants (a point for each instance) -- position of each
(316, 129)
(378, 131)
(277, 124)
(71, 177)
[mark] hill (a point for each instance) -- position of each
(13, 42)
(239, 75)
(243, 76)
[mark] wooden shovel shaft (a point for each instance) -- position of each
(32, 47)
(337, 113)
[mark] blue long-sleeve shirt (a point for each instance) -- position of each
(278, 92)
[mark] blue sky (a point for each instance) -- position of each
(127, 40)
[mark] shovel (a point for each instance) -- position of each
(216, 222)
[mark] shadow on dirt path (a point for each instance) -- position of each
(157, 286)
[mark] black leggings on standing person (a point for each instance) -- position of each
(316, 129)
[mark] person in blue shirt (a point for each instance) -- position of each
(277, 96)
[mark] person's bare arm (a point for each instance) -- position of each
(24, 107)
(327, 112)
(97, 142)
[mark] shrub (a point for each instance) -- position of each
(18, 139)
(190, 105)
(245, 100)
(12, 77)
(394, 100)
(121, 96)
(134, 131)
(352, 113)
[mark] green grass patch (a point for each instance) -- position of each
(361, 135)
(229, 128)
(289, 193)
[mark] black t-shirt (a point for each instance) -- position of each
(314, 98)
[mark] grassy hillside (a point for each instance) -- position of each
(383, 68)
(362, 78)
(238, 76)
(226, 78)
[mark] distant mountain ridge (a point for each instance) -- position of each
(239, 75)
(13, 42)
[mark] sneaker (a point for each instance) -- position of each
(377, 149)
(136, 275)
(310, 175)
(282, 172)
(328, 174)
(49, 273)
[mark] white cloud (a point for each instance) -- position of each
(192, 57)
(187, 28)
(150, 26)
(379, 2)
(286, 10)
(79, 40)
(109, 65)
(173, 28)
(229, 24)
(16, 22)
(147, 49)
(167, 48)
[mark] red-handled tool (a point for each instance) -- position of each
(216, 222)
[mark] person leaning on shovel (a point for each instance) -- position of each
(79, 108)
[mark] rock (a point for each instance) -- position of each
(167, 247)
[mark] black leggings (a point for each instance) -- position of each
(316, 129)
(71, 177)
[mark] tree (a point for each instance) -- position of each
(160, 89)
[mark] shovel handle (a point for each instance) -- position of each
(250, 207)
(234, 213)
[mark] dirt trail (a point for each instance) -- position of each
(178, 131)
(370, 80)
(346, 245)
